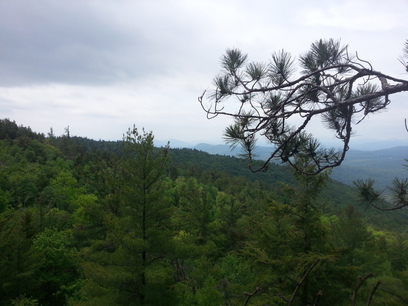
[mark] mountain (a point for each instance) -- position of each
(335, 197)
(382, 165)
(174, 143)
(216, 168)
(217, 149)
(374, 145)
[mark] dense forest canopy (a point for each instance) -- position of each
(86, 222)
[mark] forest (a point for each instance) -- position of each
(85, 222)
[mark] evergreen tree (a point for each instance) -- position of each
(277, 103)
(131, 265)
(17, 267)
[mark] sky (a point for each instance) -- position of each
(100, 67)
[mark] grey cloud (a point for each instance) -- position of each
(104, 42)
(58, 42)
(146, 61)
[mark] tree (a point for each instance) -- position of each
(371, 196)
(278, 103)
(130, 265)
(53, 252)
(17, 269)
(404, 58)
(289, 245)
(196, 207)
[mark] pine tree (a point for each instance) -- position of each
(131, 264)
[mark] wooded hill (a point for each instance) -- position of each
(86, 222)
(384, 165)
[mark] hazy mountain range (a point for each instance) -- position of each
(356, 144)
(383, 165)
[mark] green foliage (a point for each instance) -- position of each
(208, 294)
(196, 207)
(17, 267)
(132, 257)
(9, 130)
(24, 301)
(62, 191)
(322, 54)
(57, 272)
(122, 224)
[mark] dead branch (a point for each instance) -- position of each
(375, 287)
(360, 283)
(249, 295)
(299, 283)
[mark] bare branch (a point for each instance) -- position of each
(249, 295)
(362, 279)
(403, 299)
(302, 280)
(375, 287)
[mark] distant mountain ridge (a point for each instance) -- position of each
(357, 144)
(382, 165)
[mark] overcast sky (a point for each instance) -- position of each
(101, 66)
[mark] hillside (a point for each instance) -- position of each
(85, 222)
(335, 197)
(208, 160)
(382, 165)
(338, 194)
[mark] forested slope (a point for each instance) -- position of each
(86, 222)
(384, 165)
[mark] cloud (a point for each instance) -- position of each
(365, 16)
(102, 66)
(73, 42)
(104, 42)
